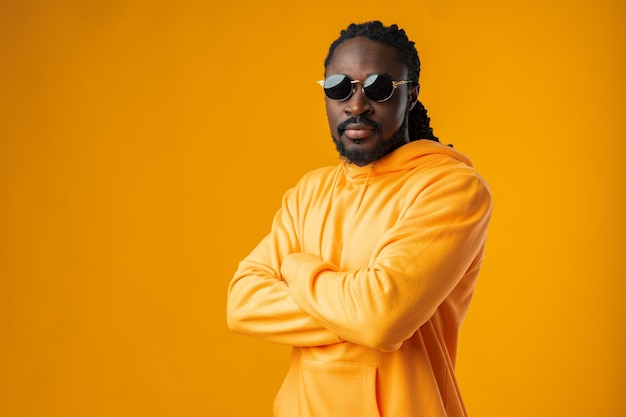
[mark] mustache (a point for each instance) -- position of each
(357, 119)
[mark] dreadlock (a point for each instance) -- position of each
(419, 122)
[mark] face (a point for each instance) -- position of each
(365, 130)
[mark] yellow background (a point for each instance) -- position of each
(145, 145)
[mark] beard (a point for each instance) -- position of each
(361, 156)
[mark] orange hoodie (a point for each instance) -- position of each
(368, 273)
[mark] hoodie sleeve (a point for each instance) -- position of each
(260, 303)
(418, 263)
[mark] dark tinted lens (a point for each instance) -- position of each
(378, 87)
(338, 87)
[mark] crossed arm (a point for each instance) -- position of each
(286, 296)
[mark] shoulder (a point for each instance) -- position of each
(311, 186)
(439, 170)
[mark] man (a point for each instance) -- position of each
(369, 267)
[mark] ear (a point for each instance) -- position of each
(413, 93)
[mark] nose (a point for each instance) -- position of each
(358, 103)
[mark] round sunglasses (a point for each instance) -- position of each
(377, 87)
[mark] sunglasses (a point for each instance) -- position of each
(377, 87)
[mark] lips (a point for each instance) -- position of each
(358, 128)
(358, 131)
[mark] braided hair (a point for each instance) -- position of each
(419, 122)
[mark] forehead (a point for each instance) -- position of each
(359, 57)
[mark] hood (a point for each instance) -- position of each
(404, 158)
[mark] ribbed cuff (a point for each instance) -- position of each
(298, 267)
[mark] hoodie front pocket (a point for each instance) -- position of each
(328, 389)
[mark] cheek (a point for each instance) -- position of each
(394, 119)
(334, 114)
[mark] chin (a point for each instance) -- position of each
(363, 153)
(356, 154)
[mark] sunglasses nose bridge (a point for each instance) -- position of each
(353, 88)
(358, 102)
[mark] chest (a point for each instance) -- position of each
(347, 227)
